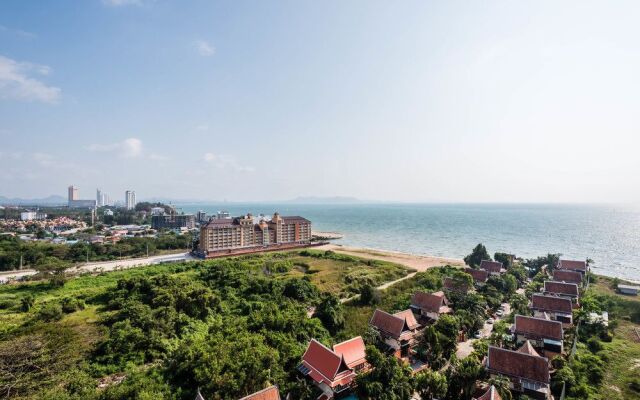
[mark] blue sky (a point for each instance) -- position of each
(418, 101)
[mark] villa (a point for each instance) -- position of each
(430, 305)
(492, 267)
(557, 308)
(561, 275)
(527, 371)
(544, 334)
(562, 289)
(479, 276)
(573, 265)
(328, 370)
(354, 354)
(398, 330)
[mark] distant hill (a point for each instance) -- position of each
(47, 201)
(325, 200)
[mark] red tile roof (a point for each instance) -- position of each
(527, 348)
(479, 275)
(409, 318)
(491, 266)
(551, 303)
(325, 365)
(352, 350)
(519, 365)
(572, 265)
(569, 289)
(430, 302)
(538, 328)
(490, 394)
(270, 393)
(390, 324)
(567, 276)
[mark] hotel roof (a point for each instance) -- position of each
(551, 303)
(491, 266)
(569, 289)
(352, 350)
(538, 327)
(430, 302)
(519, 365)
(564, 275)
(270, 393)
(479, 275)
(573, 265)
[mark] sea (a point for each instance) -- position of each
(607, 234)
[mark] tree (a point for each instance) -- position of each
(462, 378)
(504, 258)
(330, 312)
(431, 384)
(429, 348)
(519, 305)
(389, 379)
(447, 327)
(27, 302)
(478, 254)
(369, 295)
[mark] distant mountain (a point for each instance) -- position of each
(47, 201)
(325, 200)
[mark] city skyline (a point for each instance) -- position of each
(411, 102)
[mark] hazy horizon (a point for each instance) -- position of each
(418, 102)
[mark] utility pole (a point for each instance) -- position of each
(147, 249)
(87, 255)
(20, 261)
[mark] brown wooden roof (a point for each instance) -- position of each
(567, 276)
(573, 265)
(390, 324)
(570, 289)
(551, 303)
(538, 327)
(270, 393)
(430, 302)
(479, 275)
(491, 266)
(519, 365)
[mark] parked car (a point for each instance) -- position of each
(477, 335)
(499, 313)
(490, 321)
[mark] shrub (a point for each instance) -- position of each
(50, 312)
(369, 295)
(70, 304)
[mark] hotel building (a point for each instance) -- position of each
(225, 234)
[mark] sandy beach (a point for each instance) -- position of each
(418, 262)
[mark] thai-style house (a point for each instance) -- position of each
(545, 335)
(526, 370)
(430, 305)
(398, 330)
(573, 265)
(354, 354)
(479, 276)
(490, 394)
(270, 393)
(562, 289)
(492, 267)
(328, 370)
(557, 308)
(563, 275)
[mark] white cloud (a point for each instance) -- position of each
(225, 161)
(204, 48)
(128, 148)
(15, 82)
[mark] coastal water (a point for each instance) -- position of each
(610, 235)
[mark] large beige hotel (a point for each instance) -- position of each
(247, 231)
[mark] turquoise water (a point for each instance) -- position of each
(610, 235)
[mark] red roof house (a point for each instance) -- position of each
(493, 267)
(431, 305)
(353, 352)
(328, 370)
(528, 373)
(561, 289)
(563, 275)
(490, 394)
(397, 330)
(479, 275)
(573, 265)
(558, 308)
(270, 393)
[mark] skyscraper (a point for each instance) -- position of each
(130, 199)
(73, 193)
(99, 198)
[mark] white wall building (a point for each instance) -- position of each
(130, 199)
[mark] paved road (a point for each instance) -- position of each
(465, 348)
(108, 265)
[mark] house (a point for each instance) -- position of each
(354, 354)
(455, 285)
(543, 334)
(490, 394)
(628, 289)
(397, 330)
(479, 276)
(527, 371)
(558, 308)
(328, 370)
(573, 265)
(563, 275)
(270, 393)
(430, 305)
(492, 267)
(562, 289)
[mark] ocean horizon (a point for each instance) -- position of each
(608, 234)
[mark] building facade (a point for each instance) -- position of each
(74, 193)
(130, 199)
(222, 234)
(173, 221)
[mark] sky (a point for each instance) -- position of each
(413, 101)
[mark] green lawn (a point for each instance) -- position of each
(623, 355)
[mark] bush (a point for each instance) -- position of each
(50, 312)
(70, 304)
(369, 295)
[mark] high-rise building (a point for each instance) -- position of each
(130, 199)
(99, 198)
(74, 193)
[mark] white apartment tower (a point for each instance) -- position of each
(130, 199)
